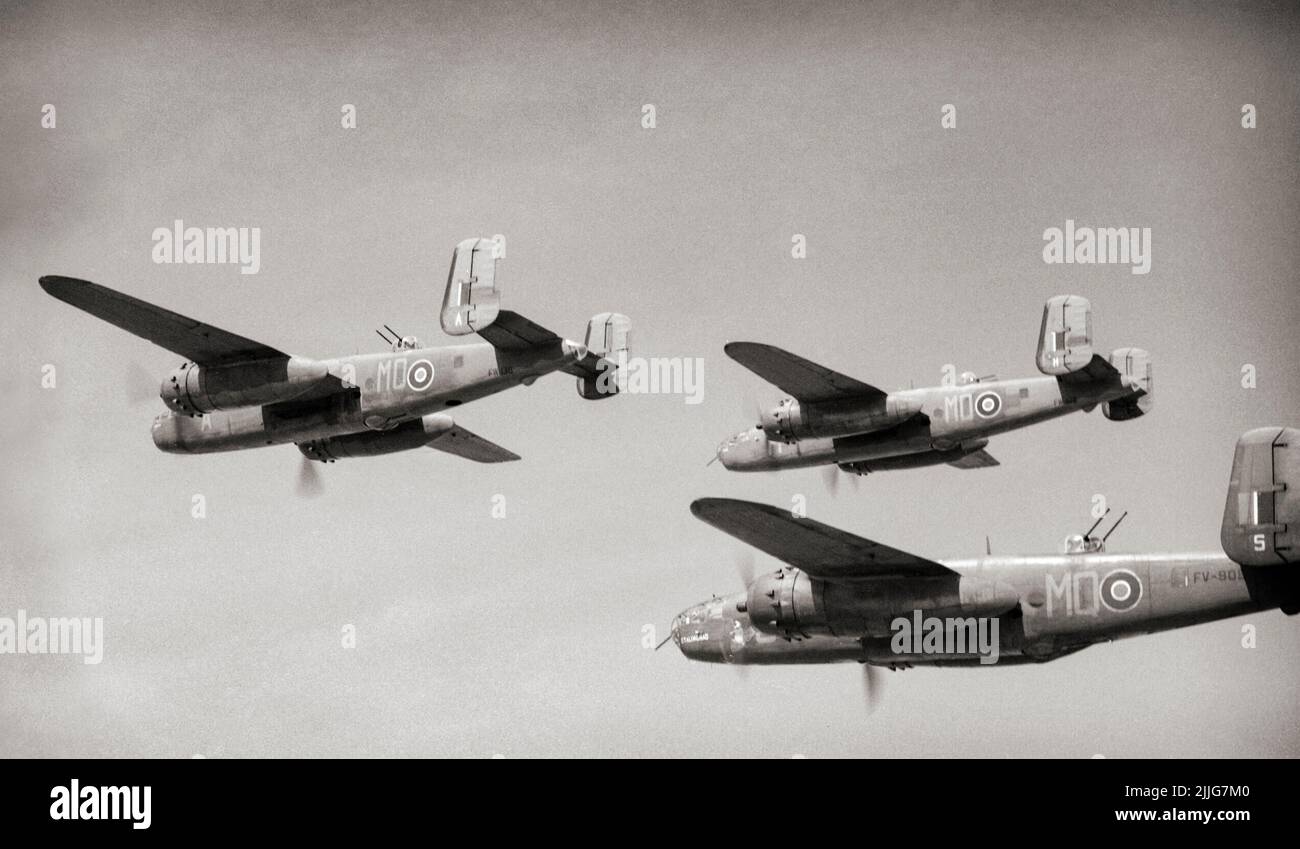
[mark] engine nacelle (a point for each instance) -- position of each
(1261, 519)
(406, 436)
(1134, 366)
(792, 420)
(784, 422)
(783, 603)
(792, 605)
(193, 388)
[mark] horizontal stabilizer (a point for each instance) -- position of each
(819, 550)
(194, 340)
(802, 378)
(472, 299)
(1095, 370)
(512, 332)
(461, 442)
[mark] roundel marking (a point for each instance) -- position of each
(988, 404)
(420, 375)
(1121, 590)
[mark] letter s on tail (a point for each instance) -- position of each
(1261, 519)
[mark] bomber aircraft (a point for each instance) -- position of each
(841, 597)
(831, 418)
(233, 393)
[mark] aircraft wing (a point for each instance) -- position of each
(194, 340)
(802, 378)
(471, 446)
(820, 550)
(980, 459)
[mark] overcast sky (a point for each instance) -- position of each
(523, 636)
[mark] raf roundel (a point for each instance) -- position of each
(988, 404)
(1121, 590)
(420, 375)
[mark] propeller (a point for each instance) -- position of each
(831, 479)
(871, 686)
(831, 476)
(141, 386)
(751, 408)
(745, 566)
(310, 484)
(745, 571)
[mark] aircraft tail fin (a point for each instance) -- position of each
(1261, 519)
(473, 299)
(1065, 338)
(1134, 367)
(608, 342)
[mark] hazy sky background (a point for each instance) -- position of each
(522, 636)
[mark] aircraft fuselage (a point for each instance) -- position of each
(1044, 607)
(386, 389)
(928, 426)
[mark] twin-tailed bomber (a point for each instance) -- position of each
(234, 393)
(832, 418)
(844, 598)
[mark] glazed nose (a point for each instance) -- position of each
(725, 453)
(697, 637)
